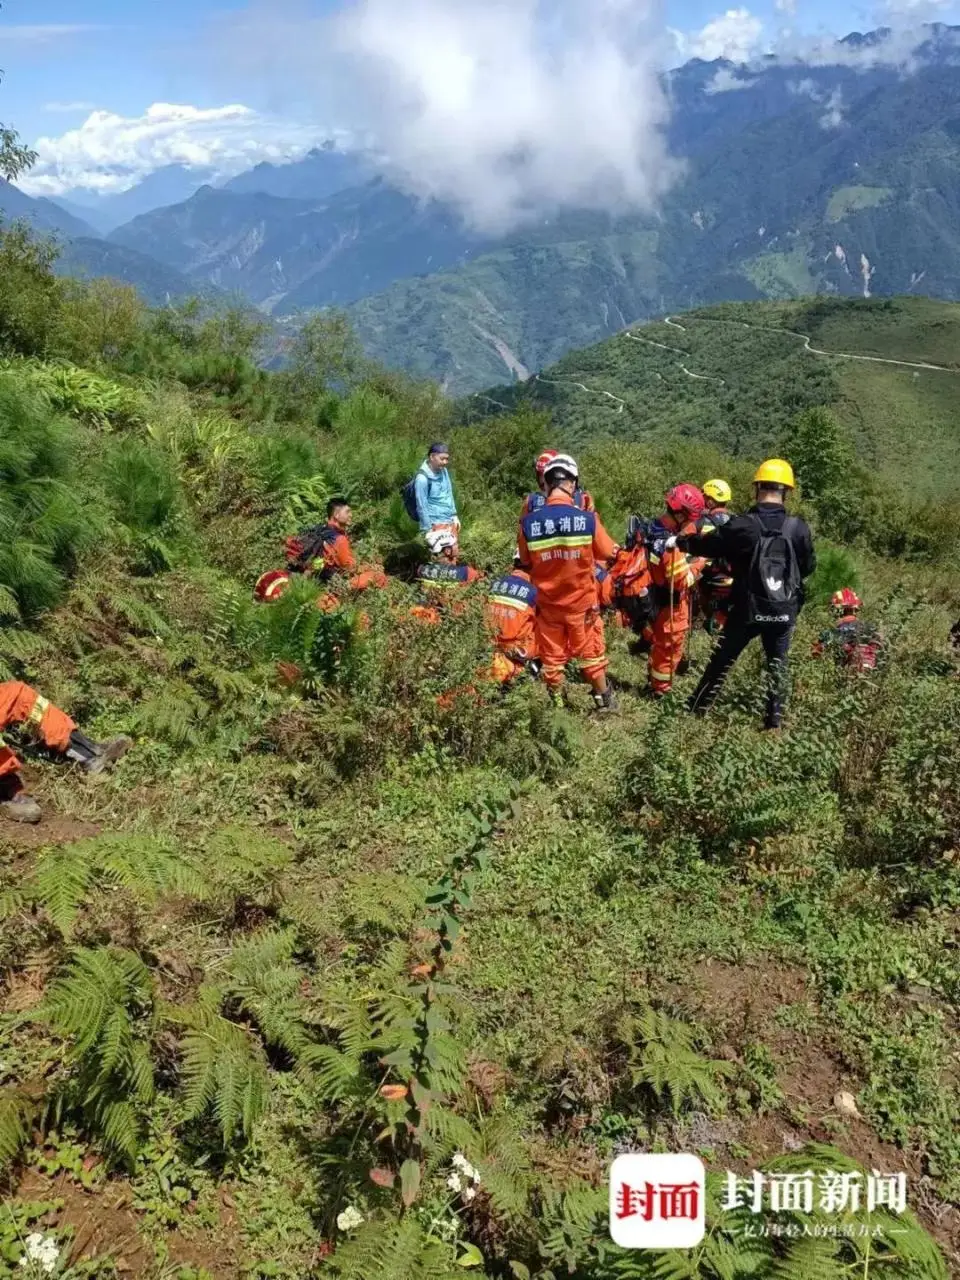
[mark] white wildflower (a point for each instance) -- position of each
(454, 1183)
(42, 1250)
(469, 1194)
(349, 1219)
(463, 1165)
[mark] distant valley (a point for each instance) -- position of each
(841, 178)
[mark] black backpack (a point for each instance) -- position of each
(773, 586)
(307, 547)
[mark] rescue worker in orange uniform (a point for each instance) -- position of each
(21, 705)
(437, 579)
(322, 552)
(534, 501)
(560, 545)
(674, 575)
(855, 644)
(511, 618)
(716, 582)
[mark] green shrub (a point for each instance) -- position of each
(45, 522)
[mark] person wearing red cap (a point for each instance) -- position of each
(560, 545)
(674, 576)
(534, 501)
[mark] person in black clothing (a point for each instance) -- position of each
(736, 543)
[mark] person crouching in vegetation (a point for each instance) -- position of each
(560, 545)
(854, 644)
(770, 553)
(534, 501)
(716, 581)
(433, 494)
(325, 551)
(511, 620)
(673, 576)
(322, 552)
(21, 705)
(437, 579)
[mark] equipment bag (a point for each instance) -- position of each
(409, 495)
(773, 585)
(307, 547)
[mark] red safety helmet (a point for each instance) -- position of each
(541, 464)
(271, 586)
(846, 601)
(686, 498)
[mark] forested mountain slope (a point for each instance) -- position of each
(356, 967)
(734, 374)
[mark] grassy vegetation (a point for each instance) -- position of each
(753, 379)
(312, 941)
(846, 200)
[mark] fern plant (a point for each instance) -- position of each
(263, 980)
(224, 1066)
(103, 1006)
(664, 1060)
(392, 1250)
(148, 867)
(17, 1113)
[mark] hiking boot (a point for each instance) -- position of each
(606, 703)
(21, 808)
(96, 757)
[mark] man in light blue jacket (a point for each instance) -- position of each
(436, 506)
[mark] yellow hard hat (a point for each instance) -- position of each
(718, 490)
(775, 471)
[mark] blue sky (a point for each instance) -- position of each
(64, 58)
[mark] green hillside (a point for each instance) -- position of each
(736, 374)
(774, 207)
(354, 968)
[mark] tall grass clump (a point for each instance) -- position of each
(44, 521)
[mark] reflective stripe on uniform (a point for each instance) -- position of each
(565, 540)
(39, 710)
(511, 602)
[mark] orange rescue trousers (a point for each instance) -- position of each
(668, 641)
(564, 637)
(19, 704)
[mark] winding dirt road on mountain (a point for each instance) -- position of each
(701, 377)
(569, 382)
(808, 344)
(674, 323)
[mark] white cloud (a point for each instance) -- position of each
(734, 35)
(68, 108)
(786, 6)
(506, 109)
(45, 32)
(833, 116)
(727, 80)
(110, 153)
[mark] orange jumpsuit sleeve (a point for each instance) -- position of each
(523, 551)
(604, 547)
(340, 554)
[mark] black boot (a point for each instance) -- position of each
(95, 757)
(606, 703)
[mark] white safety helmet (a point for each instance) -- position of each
(440, 540)
(563, 462)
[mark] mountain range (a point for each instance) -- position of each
(840, 174)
